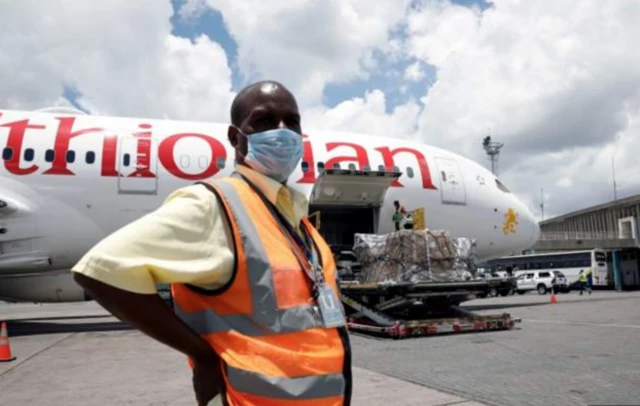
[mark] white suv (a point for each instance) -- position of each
(542, 281)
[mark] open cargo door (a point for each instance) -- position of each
(346, 202)
(339, 187)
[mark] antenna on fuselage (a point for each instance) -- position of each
(493, 152)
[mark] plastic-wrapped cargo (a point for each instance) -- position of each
(465, 256)
(414, 256)
(459, 265)
(440, 244)
(392, 258)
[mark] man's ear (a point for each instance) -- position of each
(232, 135)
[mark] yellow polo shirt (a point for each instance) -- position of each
(186, 240)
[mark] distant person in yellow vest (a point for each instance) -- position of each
(399, 214)
(257, 311)
(584, 281)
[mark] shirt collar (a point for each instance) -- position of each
(270, 187)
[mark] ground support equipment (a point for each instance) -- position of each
(417, 309)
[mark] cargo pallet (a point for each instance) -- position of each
(417, 309)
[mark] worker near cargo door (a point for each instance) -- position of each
(399, 214)
(253, 283)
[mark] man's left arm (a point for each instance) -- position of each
(176, 243)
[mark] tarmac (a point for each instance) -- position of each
(76, 354)
(582, 350)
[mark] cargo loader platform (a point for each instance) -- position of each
(401, 310)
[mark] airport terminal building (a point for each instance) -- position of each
(612, 227)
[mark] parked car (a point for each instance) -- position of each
(561, 284)
(541, 281)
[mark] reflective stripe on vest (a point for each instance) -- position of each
(307, 387)
(263, 326)
(267, 318)
(280, 321)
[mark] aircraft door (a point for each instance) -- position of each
(451, 182)
(336, 187)
(348, 202)
(138, 165)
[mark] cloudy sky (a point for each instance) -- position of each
(558, 81)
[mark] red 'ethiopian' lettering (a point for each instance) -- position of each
(167, 159)
(61, 145)
(361, 155)
(166, 149)
(17, 130)
(109, 156)
(388, 154)
(143, 154)
(309, 176)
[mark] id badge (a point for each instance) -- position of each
(330, 307)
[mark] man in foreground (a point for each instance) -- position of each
(253, 283)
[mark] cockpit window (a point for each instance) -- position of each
(502, 187)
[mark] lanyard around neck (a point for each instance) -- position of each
(311, 265)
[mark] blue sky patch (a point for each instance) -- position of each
(388, 74)
(72, 95)
(210, 23)
(482, 4)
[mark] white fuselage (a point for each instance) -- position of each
(67, 181)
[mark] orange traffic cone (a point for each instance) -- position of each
(553, 298)
(5, 347)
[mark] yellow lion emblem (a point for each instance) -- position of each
(510, 222)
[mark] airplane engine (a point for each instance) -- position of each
(49, 287)
(41, 238)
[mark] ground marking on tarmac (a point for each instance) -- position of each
(582, 324)
(20, 362)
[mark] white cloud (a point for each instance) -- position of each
(414, 72)
(438, 28)
(308, 44)
(192, 9)
(557, 82)
(120, 56)
(366, 115)
(564, 182)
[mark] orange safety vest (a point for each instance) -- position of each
(263, 324)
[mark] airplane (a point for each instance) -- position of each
(68, 179)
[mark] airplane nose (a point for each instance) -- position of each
(536, 232)
(530, 227)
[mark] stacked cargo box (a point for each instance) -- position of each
(414, 256)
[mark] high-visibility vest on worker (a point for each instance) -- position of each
(264, 324)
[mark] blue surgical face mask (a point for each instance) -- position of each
(274, 153)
